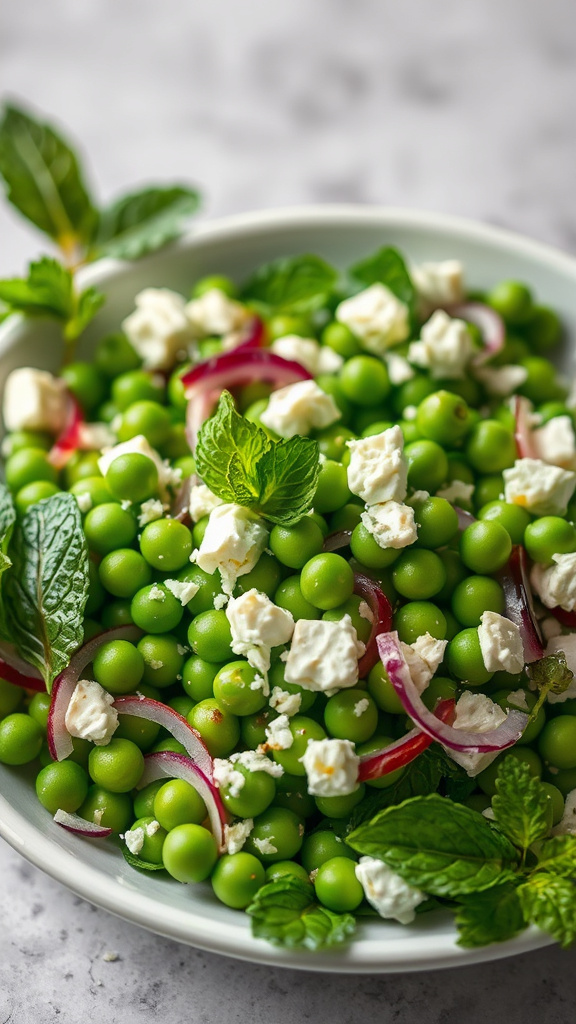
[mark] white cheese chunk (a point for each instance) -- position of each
(501, 381)
(423, 658)
(378, 470)
(236, 835)
(278, 734)
(567, 824)
(257, 625)
(84, 501)
(232, 544)
(361, 706)
(567, 644)
(214, 313)
(500, 643)
(299, 408)
(445, 347)
(438, 283)
(90, 715)
(265, 846)
(391, 524)
(376, 317)
(138, 445)
(538, 487)
(226, 776)
(255, 761)
(556, 443)
(556, 584)
(475, 713)
(134, 839)
(386, 891)
(183, 590)
(202, 502)
(456, 492)
(517, 698)
(324, 655)
(158, 329)
(331, 767)
(34, 400)
(150, 511)
(399, 369)
(285, 703)
(313, 357)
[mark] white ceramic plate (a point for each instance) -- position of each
(95, 870)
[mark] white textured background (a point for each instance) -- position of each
(468, 108)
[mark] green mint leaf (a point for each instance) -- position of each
(47, 291)
(520, 804)
(7, 521)
(44, 180)
(491, 916)
(238, 461)
(87, 304)
(299, 284)
(137, 862)
(420, 778)
(549, 902)
(387, 267)
(444, 848)
(47, 587)
(284, 913)
(144, 221)
(557, 856)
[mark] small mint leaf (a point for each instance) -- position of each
(298, 284)
(520, 804)
(549, 902)
(285, 913)
(494, 915)
(144, 221)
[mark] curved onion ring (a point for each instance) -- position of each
(15, 670)
(254, 335)
(403, 751)
(519, 607)
(522, 430)
(59, 739)
(80, 827)
(336, 541)
(381, 609)
(154, 711)
(166, 764)
(505, 735)
(488, 322)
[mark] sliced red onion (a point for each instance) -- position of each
(456, 739)
(59, 739)
(565, 618)
(69, 440)
(465, 518)
(15, 670)
(515, 583)
(254, 335)
(154, 711)
(166, 764)
(523, 430)
(488, 322)
(80, 827)
(381, 610)
(337, 541)
(205, 382)
(403, 751)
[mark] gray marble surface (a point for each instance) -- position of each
(460, 107)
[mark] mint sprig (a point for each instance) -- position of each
(286, 914)
(143, 221)
(520, 805)
(240, 464)
(49, 290)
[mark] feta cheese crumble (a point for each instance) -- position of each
(236, 835)
(265, 846)
(438, 284)
(90, 715)
(34, 400)
(556, 584)
(156, 593)
(84, 501)
(134, 839)
(376, 317)
(538, 487)
(331, 767)
(399, 369)
(501, 381)
(423, 658)
(391, 524)
(556, 443)
(456, 492)
(256, 761)
(361, 706)
(202, 502)
(445, 347)
(278, 734)
(477, 713)
(214, 313)
(257, 625)
(386, 891)
(227, 777)
(158, 329)
(150, 511)
(232, 544)
(299, 408)
(324, 655)
(567, 824)
(313, 357)
(183, 590)
(285, 703)
(378, 471)
(500, 644)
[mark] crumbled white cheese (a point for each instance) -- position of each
(278, 734)
(34, 400)
(299, 408)
(265, 846)
(255, 761)
(97, 815)
(257, 625)
(376, 317)
(567, 644)
(567, 824)
(227, 777)
(438, 284)
(386, 891)
(399, 369)
(423, 658)
(378, 470)
(475, 713)
(214, 314)
(150, 511)
(202, 502)
(183, 590)
(391, 524)
(501, 381)
(361, 706)
(500, 643)
(313, 357)
(90, 715)
(138, 445)
(324, 654)
(445, 347)
(236, 835)
(158, 329)
(233, 542)
(261, 683)
(220, 601)
(285, 703)
(517, 698)
(331, 767)
(456, 492)
(538, 487)
(84, 501)
(556, 442)
(94, 436)
(156, 593)
(134, 839)
(151, 828)
(556, 584)
(125, 504)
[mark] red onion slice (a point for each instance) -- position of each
(522, 430)
(166, 764)
(465, 518)
(337, 541)
(69, 440)
(254, 335)
(567, 619)
(488, 322)
(15, 670)
(404, 750)
(515, 583)
(381, 609)
(80, 827)
(456, 739)
(59, 739)
(154, 711)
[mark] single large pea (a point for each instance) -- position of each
(382, 692)
(491, 447)
(332, 490)
(367, 550)
(557, 742)
(11, 696)
(437, 522)
(513, 518)
(427, 465)
(418, 617)
(155, 609)
(62, 785)
(475, 595)
(86, 383)
(277, 835)
(133, 477)
(351, 715)
(237, 878)
(28, 466)
(163, 659)
(117, 766)
(336, 885)
(340, 806)
(108, 527)
(237, 688)
(118, 666)
(20, 739)
(340, 338)
(219, 729)
(198, 677)
(295, 545)
(210, 636)
(443, 417)
(134, 386)
(319, 847)
(189, 853)
(548, 536)
(265, 576)
(465, 659)
(111, 810)
(166, 544)
(292, 792)
(251, 798)
(114, 355)
(513, 300)
(147, 418)
(485, 546)
(124, 572)
(303, 730)
(327, 581)
(418, 574)
(364, 380)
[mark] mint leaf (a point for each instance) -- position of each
(387, 267)
(86, 305)
(421, 777)
(44, 180)
(137, 862)
(284, 913)
(444, 848)
(7, 521)
(299, 284)
(494, 915)
(549, 902)
(520, 804)
(47, 587)
(557, 856)
(144, 221)
(49, 290)
(239, 462)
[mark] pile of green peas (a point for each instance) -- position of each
(440, 585)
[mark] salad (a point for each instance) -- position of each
(288, 597)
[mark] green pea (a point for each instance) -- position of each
(236, 688)
(512, 300)
(86, 382)
(219, 729)
(189, 853)
(148, 418)
(367, 550)
(117, 766)
(118, 666)
(465, 659)
(108, 527)
(364, 380)
(166, 544)
(351, 715)
(28, 466)
(427, 465)
(237, 878)
(277, 835)
(336, 885)
(256, 794)
(111, 810)
(491, 447)
(443, 417)
(20, 739)
(295, 545)
(62, 785)
(210, 637)
(437, 522)
(327, 581)
(418, 617)
(485, 546)
(418, 574)
(155, 609)
(548, 536)
(303, 730)
(475, 595)
(513, 518)
(114, 355)
(332, 490)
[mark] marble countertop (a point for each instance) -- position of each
(462, 108)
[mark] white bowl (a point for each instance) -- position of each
(94, 869)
